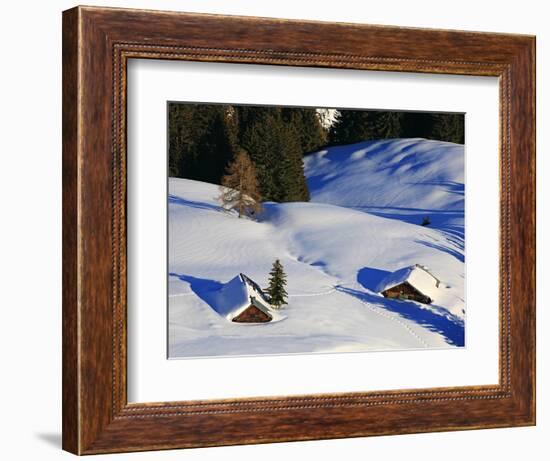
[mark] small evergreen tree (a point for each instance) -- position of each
(277, 283)
(239, 189)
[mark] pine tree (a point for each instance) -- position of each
(274, 147)
(307, 126)
(239, 189)
(387, 125)
(449, 127)
(202, 141)
(277, 283)
(418, 125)
(437, 126)
(257, 139)
(351, 126)
(288, 171)
(215, 148)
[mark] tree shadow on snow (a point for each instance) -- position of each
(451, 329)
(175, 200)
(437, 246)
(451, 187)
(439, 219)
(319, 181)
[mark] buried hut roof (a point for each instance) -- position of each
(238, 294)
(418, 276)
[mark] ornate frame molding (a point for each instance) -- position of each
(97, 43)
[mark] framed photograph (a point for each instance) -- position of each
(310, 214)
(282, 230)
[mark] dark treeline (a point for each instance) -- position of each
(205, 138)
(353, 126)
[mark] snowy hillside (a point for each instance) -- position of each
(405, 179)
(335, 254)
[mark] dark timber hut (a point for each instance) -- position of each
(414, 283)
(254, 313)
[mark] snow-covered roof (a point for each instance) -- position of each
(235, 296)
(418, 276)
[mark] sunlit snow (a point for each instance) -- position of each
(363, 222)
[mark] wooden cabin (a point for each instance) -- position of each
(254, 313)
(413, 283)
(406, 291)
(241, 300)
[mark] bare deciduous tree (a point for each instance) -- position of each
(240, 190)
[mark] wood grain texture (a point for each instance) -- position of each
(97, 42)
(70, 382)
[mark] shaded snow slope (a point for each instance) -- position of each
(405, 179)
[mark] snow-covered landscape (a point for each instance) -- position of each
(376, 207)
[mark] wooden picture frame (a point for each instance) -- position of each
(97, 43)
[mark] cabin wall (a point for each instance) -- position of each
(406, 291)
(252, 315)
